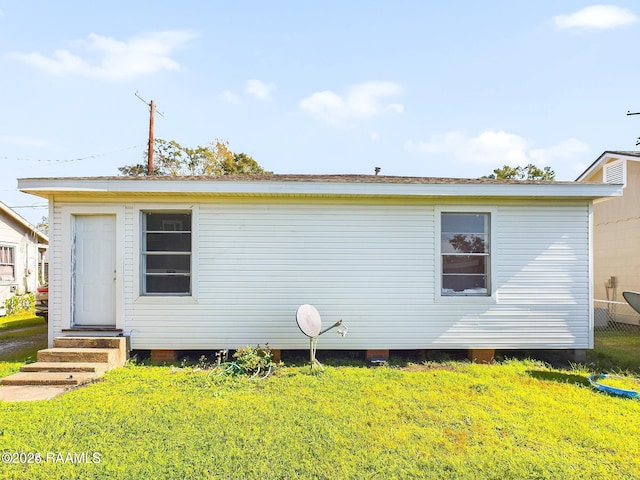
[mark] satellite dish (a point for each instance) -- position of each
(309, 321)
(633, 299)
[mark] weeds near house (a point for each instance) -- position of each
(21, 304)
(518, 419)
(252, 362)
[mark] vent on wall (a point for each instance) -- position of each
(614, 172)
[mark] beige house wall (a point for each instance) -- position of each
(616, 241)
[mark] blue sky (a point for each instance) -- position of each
(418, 88)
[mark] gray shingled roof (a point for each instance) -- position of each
(605, 153)
(313, 178)
(620, 152)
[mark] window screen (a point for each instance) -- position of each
(464, 248)
(166, 253)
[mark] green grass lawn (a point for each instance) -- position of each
(18, 321)
(514, 420)
(616, 350)
(21, 337)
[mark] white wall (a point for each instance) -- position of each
(371, 263)
(26, 258)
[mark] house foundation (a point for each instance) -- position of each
(276, 355)
(165, 356)
(371, 355)
(481, 355)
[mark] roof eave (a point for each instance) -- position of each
(19, 219)
(603, 158)
(106, 187)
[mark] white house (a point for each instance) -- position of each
(22, 255)
(407, 263)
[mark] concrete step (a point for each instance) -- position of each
(48, 379)
(65, 367)
(110, 356)
(88, 342)
(30, 393)
(118, 344)
(72, 361)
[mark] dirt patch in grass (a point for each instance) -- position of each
(21, 343)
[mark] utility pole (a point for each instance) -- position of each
(152, 114)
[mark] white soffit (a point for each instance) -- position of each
(98, 187)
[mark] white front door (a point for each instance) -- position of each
(94, 270)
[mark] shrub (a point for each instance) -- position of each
(21, 303)
(254, 360)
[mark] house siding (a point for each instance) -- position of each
(370, 262)
(26, 259)
(616, 238)
(55, 272)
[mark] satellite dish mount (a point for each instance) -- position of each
(309, 322)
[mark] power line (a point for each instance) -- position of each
(69, 160)
(634, 113)
(35, 205)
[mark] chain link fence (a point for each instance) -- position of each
(616, 337)
(616, 317)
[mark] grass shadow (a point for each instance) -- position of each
(558, 377)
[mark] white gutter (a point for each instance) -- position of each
(45, 187)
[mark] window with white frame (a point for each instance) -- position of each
(7, 263)
(166, 253)
(465, 251)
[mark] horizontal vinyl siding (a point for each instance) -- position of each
(55, 272)
(541, 279)
(259, 262)
(372, 265)
(130, 290)
(25, 257)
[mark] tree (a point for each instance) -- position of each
(530, 172)
(241, 164)
(43, 225)
(468, 243)
(172, 159)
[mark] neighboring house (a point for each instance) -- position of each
(198, 263)
(616, 239)
(22, 255)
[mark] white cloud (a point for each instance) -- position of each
(566, 149)
(109, 59)
(595, 17)
(231, 97)
(260, 90)
(362, 101)
(496, 148)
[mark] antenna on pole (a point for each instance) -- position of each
(634, 113)
(152, 112)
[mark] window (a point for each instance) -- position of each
(7, 264)
(166, 253)
(464, 248)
